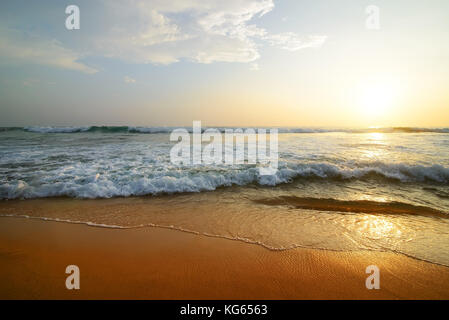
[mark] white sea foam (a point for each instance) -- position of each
(89, 223)
(56, 129)
(86, 183)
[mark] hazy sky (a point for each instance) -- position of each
(233, 62)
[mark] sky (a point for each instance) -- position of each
(309, 63)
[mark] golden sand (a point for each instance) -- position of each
(155, 263)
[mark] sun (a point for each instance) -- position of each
(376, 98)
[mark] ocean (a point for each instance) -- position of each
(383, 189)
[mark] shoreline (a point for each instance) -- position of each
(179, 229)
(163, 263)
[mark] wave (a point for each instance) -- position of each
(165, 129)
(56, 129)
(100, 129)
(354, 206)
(401, 172)
(5, 129)
(192, 180)
(366, 130)
(399, 130)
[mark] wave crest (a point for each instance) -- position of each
(149, 130)
(191, 180)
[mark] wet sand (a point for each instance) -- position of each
(156, 263)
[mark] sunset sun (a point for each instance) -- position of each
(376, 99)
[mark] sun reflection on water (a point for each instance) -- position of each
(376, 227)
(375, 150)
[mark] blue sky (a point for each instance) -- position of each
(237, 62)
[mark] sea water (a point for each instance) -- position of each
(341, 189)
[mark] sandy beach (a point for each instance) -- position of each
(157, 263)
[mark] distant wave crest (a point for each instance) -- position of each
(164, 129)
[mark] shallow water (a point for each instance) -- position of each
(340, 190)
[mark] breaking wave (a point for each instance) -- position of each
(109, 185)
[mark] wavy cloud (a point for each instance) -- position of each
(200, 31)
(162, 32)
(18, 47)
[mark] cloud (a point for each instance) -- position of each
(292, 42)
(18, 47)
(164, 32)
(128, 79)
